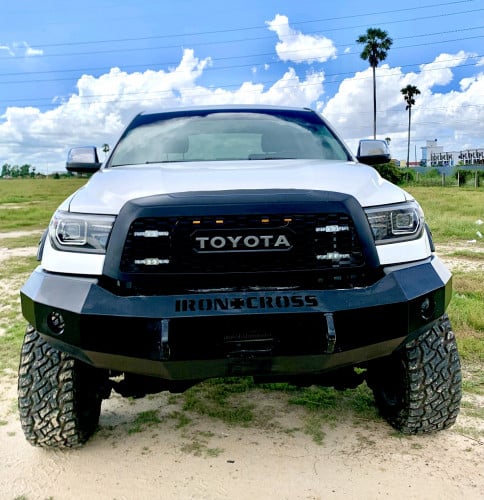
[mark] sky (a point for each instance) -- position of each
(76, 73)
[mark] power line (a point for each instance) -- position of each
(103, 68)
(222, 42)
(218, 68)
(248, 28)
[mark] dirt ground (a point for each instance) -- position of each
(207, 459)
(211, 460)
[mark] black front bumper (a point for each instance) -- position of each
(216, 333)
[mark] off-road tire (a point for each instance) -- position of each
(59, 397)
(418, 389)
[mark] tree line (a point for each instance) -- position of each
(17, 170)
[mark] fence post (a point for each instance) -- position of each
(443, 178)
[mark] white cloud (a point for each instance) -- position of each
(296, 47)
(439, 71)
(21, 49)
(31, 52)
(103, 106)
(7, 49)
(454, 117)
(255, 69)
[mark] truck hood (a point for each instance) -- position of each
(110, 188)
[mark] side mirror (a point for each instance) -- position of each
(83, 160)
(373, 152)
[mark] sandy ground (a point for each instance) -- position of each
(207, 459)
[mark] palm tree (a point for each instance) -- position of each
(105, 149)
(408, 94)
(376, 45)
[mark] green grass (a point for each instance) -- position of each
(333, 404)
(12, 324)
(466, 311)
(144, 419)
(473, 382)
(468, 255)
(21, 241)
(451, 213)
(182, 420)
(315, 398)
(324, 406)
(230, 402)
(199, 447)
(214, 398)
(11, 343)
(28, 204)
(17, 267)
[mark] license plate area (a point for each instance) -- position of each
(251, 336)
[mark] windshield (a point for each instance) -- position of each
(226, 136)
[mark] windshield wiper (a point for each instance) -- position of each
(271, 157)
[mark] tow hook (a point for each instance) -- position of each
(330, 334)
(164, 346)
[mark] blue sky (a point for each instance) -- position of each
(76, 73)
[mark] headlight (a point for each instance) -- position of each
(71, 232)
(393, 223)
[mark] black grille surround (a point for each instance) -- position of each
(241, 239)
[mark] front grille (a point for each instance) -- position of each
(244, 245)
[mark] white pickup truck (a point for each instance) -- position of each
(235, 241)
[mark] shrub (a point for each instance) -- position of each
(391, 173)
(465, 176)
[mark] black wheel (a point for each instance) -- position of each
(59, 397)
(418, 389)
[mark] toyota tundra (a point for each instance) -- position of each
(235, 241)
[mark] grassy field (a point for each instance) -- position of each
(451, 212)
(27, 205)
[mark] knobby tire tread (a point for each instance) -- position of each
(53, 407)
(427, 382)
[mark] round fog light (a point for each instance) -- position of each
(427, 308)
(56, 323)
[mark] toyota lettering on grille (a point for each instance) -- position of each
(244, 241)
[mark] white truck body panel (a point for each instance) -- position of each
(111, 188)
